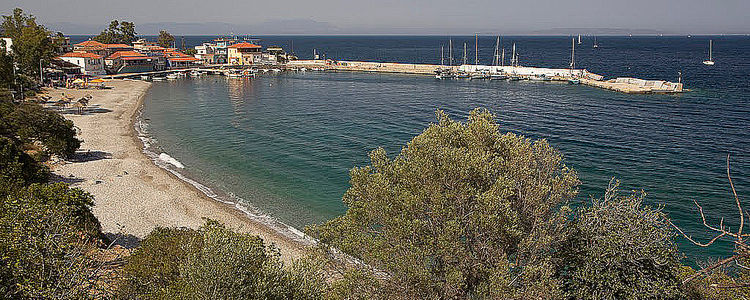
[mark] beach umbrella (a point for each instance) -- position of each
(79, 80)
(98, 80)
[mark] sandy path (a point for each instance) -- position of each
(133, 195)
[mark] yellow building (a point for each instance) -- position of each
(243, 53)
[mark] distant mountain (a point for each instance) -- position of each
(598, 31)
(296, 26)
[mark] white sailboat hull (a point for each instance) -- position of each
(708, 62)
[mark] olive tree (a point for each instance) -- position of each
(621, 248)
(462, 211)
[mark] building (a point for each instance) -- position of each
(178, 60)
(243, 53)
(98, 48)
(6, 43)
(90, 63)
(129, 62)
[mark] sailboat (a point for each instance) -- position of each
(579, 40)
(710, 61)
(596, 45)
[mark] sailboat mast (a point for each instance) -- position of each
(502, 61)
(513, 59)
(464, 53)
(711, 50)
(573, 57)
(450, 51)
(476, 49)
(442, 57)
(497, 52)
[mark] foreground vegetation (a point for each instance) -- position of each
(464, 211)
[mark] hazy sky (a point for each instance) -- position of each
(678, 16)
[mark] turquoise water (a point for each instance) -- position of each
(284, 144)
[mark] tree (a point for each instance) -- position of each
(165, 39)
(118, 33)
(462, 211)
(31, 42)
(621, 249)
(31, 122)
(46, 233)
(214, 262)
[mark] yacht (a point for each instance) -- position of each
(710, 61)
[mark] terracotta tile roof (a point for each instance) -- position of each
(90, 43)
(123, 54)
(136, 57)
(244, 45)
(81, 55)
(118, 46)
(183, 58)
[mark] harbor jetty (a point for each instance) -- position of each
(622, 84)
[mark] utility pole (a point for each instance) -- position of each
(41, 73)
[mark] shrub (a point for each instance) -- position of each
(46, 232)
(621, 249)
(462, 209)
(214, 263)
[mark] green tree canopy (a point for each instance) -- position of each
(118, 33)
(165, 39)
(214, 263)
(46, 231)
(462, 211)
(31, 42)
(621, 249)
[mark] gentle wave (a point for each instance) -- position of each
(169, 164)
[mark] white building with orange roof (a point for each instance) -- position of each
(90, 63)
(243, 53)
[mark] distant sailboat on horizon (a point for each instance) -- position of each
(710, 61)
(596, 44)
(579, 40)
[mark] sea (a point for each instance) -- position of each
(281, 146)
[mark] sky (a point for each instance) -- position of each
(405, 16)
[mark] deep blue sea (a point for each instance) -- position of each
(284, 144)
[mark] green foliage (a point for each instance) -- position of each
(118, 33)
(214, 263)
(46, 232)
(33, 122)
(165, 39)
(17, 167)
(461, 208)
(621, 249)
(31, 42)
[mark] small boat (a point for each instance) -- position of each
(515, 78)
(596, 45)
(172, 76)
(159, 78)
(462, 75)
(498, 77)
(539, 77)
(710, 61)
(195, 73)
(443, 74)
(574, 81)
(579, 40)
(480, 76)
(145, 78)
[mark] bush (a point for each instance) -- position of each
(461, 210)
(214, 263)
(621, 249)
(46, 232)
(33, 122)
(17, 167)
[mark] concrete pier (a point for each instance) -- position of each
(623, 85)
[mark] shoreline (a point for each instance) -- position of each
(133, 194)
